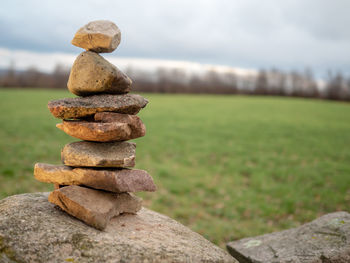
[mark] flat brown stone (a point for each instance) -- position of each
(80, 107)
(95, 131)
(119, 127)
(138, 129)
(94, 207)
(116, 180)
(92, 74)
(95, 154)
(99, 36)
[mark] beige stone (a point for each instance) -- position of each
(94, 207)
(116, 180)
(94, 154)
(92, 74)
(122, 127)
(80, 107)
(99, 36)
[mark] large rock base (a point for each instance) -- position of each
(33, 230)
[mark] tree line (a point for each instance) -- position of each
(170, 80)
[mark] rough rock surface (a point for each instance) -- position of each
(94, 207)
(92, 74)
(138, 129)
(76, 108)
(33, 230)
(116, 180)
(94, 154)
(99, 36)
(324, 240)
(95, 131)
(105, 131)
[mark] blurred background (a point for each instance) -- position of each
(227, 164)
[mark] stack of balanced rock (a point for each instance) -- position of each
(94, 183)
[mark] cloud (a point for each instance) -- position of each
(289, 34)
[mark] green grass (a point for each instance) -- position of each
(226, 166)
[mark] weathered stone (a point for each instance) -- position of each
(326, 239)
(92, 74)
(55, 186)
(138, 129)
(116, 180)
(94, 154)
(95, 131)
(99, 36)
(76, 108)
(33, 230)
(123, 127)
(94, 207)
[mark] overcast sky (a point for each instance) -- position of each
(288, 34)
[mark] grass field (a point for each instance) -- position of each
(226, 166)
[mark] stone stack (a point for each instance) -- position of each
(95, 183)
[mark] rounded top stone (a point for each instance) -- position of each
(101, 36)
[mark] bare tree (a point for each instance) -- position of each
(261, 85)
(310, 86)
(9, 79)
(297, 83)
(176, 80)
(335, 86)
(60, 76)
